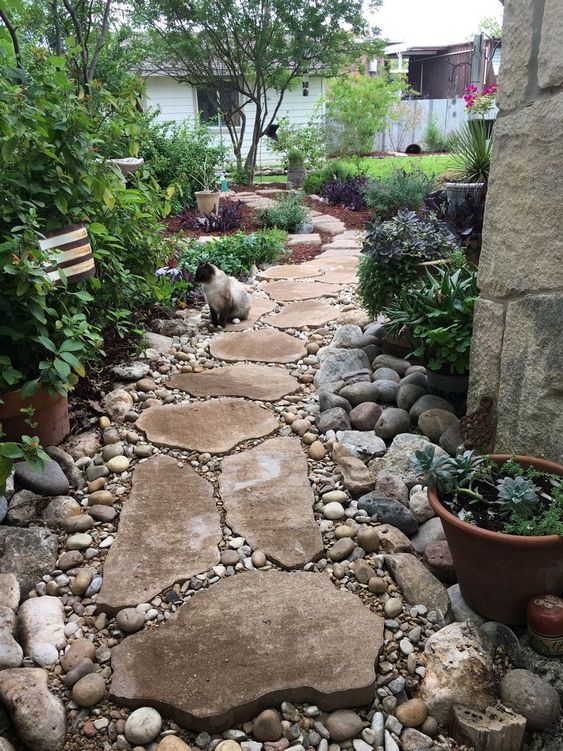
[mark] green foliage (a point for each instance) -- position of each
(400, 190)
(234, 254)
(28, 449)
(358, 107)
(433, 137)
(443, 472)
(518, 495)
(471, 157)
(335, 169)
(288, 213)
(309, 138)
(391, 252)
(439, 316)
(295, 158)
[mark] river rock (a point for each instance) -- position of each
(460, 610)
(417, 584)
(451, 439)
(388, 511)
(414, 740)
(420, 506)
(363, 571)
(385, 374)
(89, 690)
(411, 713)
(341, 549)
(132, 372)
(356, 477)
(41, 621)
(408, 394)
(392, 422)
(335, 418)
(395, 363)
(79, 650)
(339, 361)
(434, 423)
(343, 724)
(430, 531)
(392, 540)
(25, 507)
(365, 416)
(368, 539)
(11, 654)
(51, 480)
(438, 559)
(328, 400)
(392, 486)
(459, 670)
(531, 696)
(38, 716)
(361, 444)
(143, 725)
(386, 391)
(60, 508)
(429, 402)
(117, 404)
(267, 726)
(83, 444)
(130, 620)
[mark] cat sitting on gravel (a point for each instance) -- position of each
(227, 299)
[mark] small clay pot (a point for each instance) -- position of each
(49, 412)
(545, 625)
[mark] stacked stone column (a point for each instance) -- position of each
(517, 348)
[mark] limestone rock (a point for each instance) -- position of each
(255, 485)
(215, 426)
(532, 697)
(131, 372)
(459, 670)
(356, 477)
(186, 543)
(361, 444)
(281, 651)
(38, 716)
(417, 584)
(242, 379)
(262, 345)
(438, 559)
(28, 554)
(392, 540)
(392, 486)
(162, 344)
(82, 444)
(41, 621)
(430, 531)
(397, 460)
(117, 404)
(9, 591)
(11, 654)
(338, 362)
(419, 505)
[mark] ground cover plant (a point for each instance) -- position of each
(391, 252)
(288, 213)
(505, 498)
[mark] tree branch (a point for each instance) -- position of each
(14, 37)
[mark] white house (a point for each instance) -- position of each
(180, 101)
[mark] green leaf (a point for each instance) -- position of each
(11, 450)
(62, 368)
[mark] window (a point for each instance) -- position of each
(211, 102)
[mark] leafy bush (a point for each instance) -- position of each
(229, 216)
(348, 192)
(295, 159)
(471, 156)
(439, 316)
(391, 252)
(310, 139)
(335, 169)
(400, 190)
(287, 213)
(433, 137)
(233, 254)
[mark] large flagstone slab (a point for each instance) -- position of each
(169, 531)
(259, 307)
(285, 291)
(341, 276)
(242, 379)
(215, 426)
(264, 345)
(249, 642)
(269, 501)
(289, 271)
(310, 313)
(333, 262)
(331, 252)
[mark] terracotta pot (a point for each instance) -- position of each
(296, 177)
(50, 414)
(72, 251)
(451, 387)
(207, 201)
(498, 574)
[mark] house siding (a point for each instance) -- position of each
(178, 101)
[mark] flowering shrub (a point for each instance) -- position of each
(480, 103)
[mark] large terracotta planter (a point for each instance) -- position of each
(296, 177)
(498, 574)
(50, 414)
(73, 254)
(207, 201)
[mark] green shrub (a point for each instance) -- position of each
(433, 138)
(234, 254)
(310, 139)
(391, 252)
(313, 183)
(288, 213)
(401, 190)
(471, 147)
(335, 169)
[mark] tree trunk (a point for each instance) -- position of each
(250, 163)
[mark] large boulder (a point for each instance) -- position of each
(28, 554)
(337, 362)
(397, 460)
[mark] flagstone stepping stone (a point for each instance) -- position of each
(341, 276)
(264, 345)
(242, 379)
(285, 291)
(248, 642)
(288, 272)
(259, 307)
(215, 426)
(269, 501)
(333, 262)
(169, 531)
(312, 238)
(311, 313)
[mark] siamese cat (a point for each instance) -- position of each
(227, 299)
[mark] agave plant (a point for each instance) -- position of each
(471, 158)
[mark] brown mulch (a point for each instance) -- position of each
(352, 219)
(173, 226)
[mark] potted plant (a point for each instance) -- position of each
(208, 197)
(296, 172)
(471, 160)
(438, 314)
(503, 519)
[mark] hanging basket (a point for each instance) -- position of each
(72, 251)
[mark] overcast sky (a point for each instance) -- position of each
(433, 21)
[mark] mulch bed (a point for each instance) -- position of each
(352, 219)
(173, 226)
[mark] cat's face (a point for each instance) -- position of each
(204, 273)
